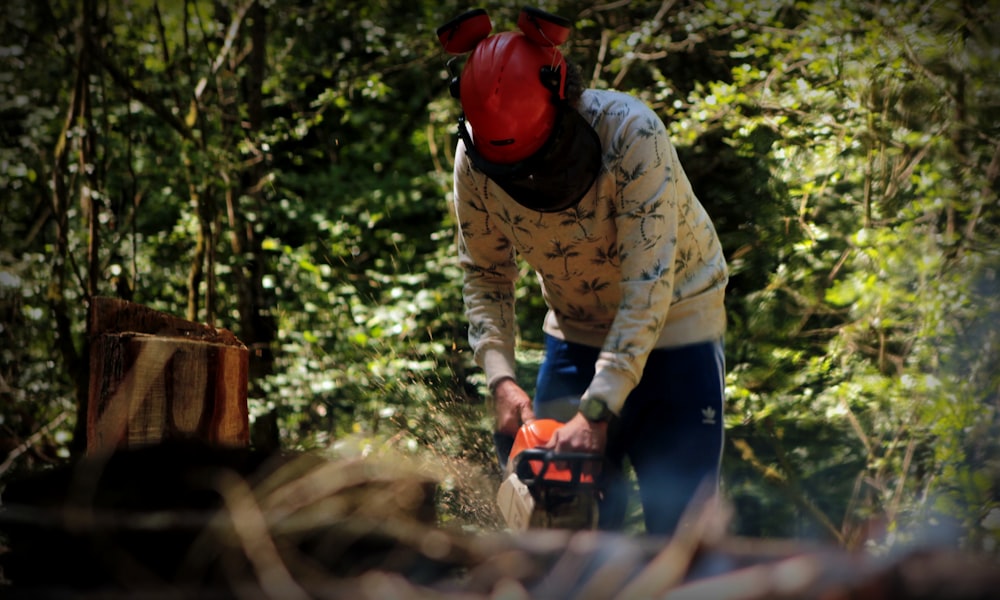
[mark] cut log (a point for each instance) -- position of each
(155, 377)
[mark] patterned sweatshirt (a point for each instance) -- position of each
(636, 265)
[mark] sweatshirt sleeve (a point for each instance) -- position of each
(490, 270)
(651, 189)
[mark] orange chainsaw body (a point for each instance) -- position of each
(536, 434)
(546, 489)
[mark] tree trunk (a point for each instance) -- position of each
(156, 378)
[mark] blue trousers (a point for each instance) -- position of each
(671, 427)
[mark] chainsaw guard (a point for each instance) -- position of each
(516, 503)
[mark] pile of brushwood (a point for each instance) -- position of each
(189, 521)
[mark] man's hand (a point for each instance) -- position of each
(580, 435)
(512, 407)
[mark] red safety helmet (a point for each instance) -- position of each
(512, 89)
(504, 99)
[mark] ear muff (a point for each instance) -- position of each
(548, 31)
(512, 113)
(461, 34)
(545, 29)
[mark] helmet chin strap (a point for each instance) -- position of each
(470, 148)
(454, 87)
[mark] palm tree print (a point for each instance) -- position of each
(493, 271)
(649, 211)
(616, 151)
(479, 208)
(551, 284)
(516, 224)
(559, 251)
(503, 244)
(624, 347)
(683, 258)
(627, 176)
(576, 312)
(651, 130)
(655, 326)
(607, 256)
(502, 300)
(477, 329)
(594, 288)
(576, 216)
(655, 275)
(483, 329)
(719, 277)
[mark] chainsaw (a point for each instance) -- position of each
(547, 489)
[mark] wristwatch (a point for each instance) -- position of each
(595, 410)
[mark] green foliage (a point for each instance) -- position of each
(871, 306)
(291, 183)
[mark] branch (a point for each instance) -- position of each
(148, 100)
(227, 47)
(992, 172)
(786, 482)
(660, 14)
(31, 441)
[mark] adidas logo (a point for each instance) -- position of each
(708, 416)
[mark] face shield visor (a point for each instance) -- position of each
(557, 175)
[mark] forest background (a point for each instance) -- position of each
(283, 170)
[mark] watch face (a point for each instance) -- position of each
(594, 409)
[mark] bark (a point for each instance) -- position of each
(156, 378)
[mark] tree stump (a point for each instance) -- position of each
(156, 378)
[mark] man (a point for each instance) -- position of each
(587, 188)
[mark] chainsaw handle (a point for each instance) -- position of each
(533, 464)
